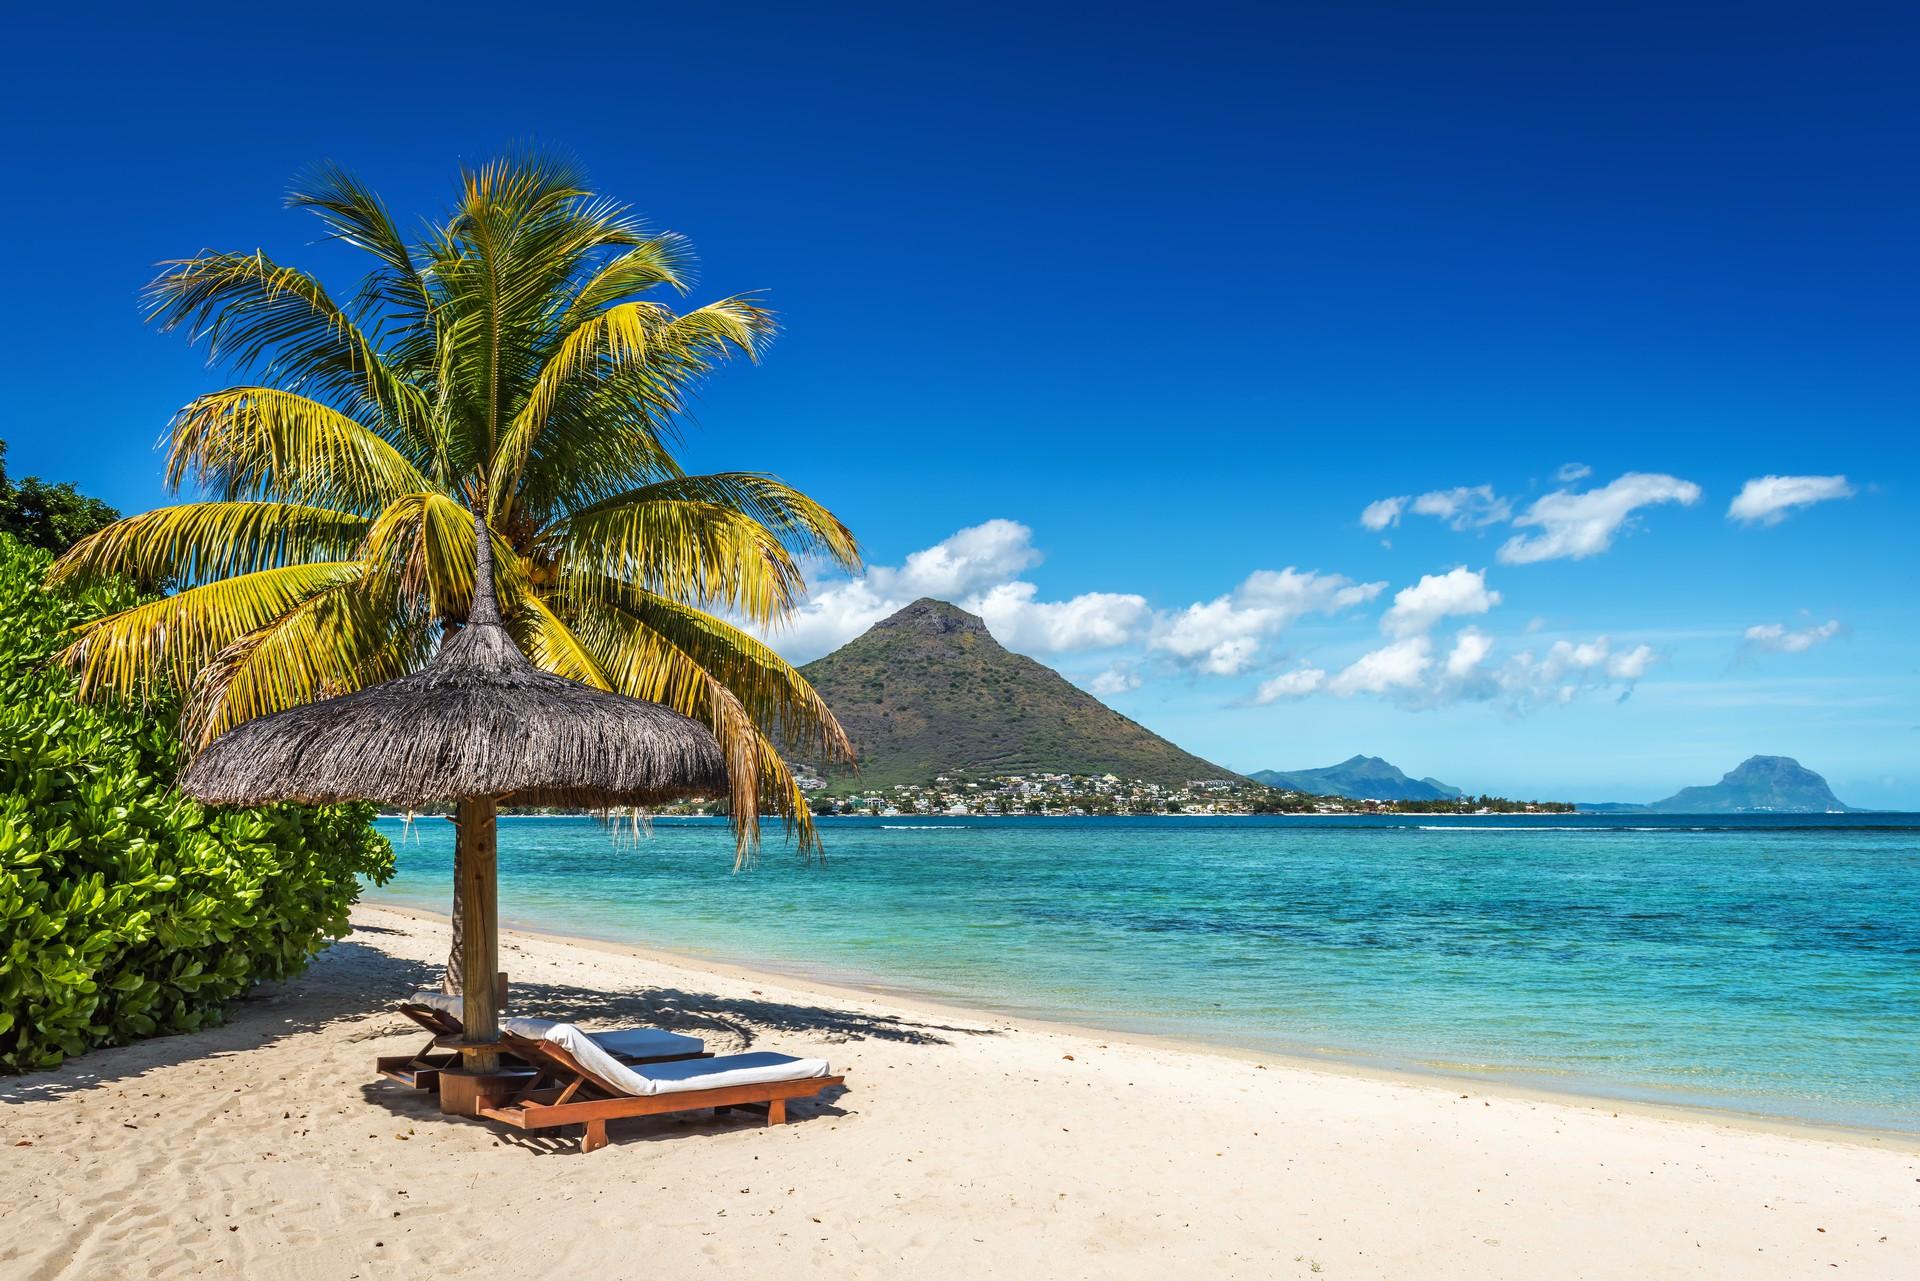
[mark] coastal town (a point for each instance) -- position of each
(960, 793)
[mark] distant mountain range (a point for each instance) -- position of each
(1359, 778)
(1758, 785)
(930, 690)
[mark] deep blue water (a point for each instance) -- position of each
(1762, 964)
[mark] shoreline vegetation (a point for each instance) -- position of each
(966, 1143)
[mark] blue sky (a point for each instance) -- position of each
(1156, 304)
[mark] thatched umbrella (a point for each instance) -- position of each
(478, 726)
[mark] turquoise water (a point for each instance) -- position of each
(1761, 965)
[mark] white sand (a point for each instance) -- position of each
(964, 1147)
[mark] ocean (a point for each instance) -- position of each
(1758, 964)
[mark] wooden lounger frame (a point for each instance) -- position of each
(422, 1068)
(563, 1092)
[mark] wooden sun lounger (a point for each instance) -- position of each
(423, 1067)
(563, 1092)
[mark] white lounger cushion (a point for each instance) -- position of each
(647, 1042)
(434, 998)
(759, 1068)
(633, 1042)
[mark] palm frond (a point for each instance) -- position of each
(616, 337)
(802, 524)
(709, 333)
(194, 543)
(174, 638)
(777, 697)
(643, 661)
(357, 216)
(339, 640)
(550, 644)
(397, 294)
(258, 315)
(599, 445)
(687, 550)
(262, 442)
(424, 542)
(663, 259)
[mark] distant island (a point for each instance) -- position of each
(1758, 785)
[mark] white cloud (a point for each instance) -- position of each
(1382, 512)
(1292, 594)
(974, 568)
(1118, 678)
(1409, 673)
(1464, 506)
(1570, 472)
(1094, 620)
(1222, 636)
(1295, 684)
(1230, 657)
(832, 615)
(966, 561)
(1766, 500)
(1631, 665)
(1200, 628)
(1436, 596)
(1569, 668)
(1578, 525)
(1470, 649)
(1778, 638)
(1399, 666)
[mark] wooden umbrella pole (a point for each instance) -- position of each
(476, 867)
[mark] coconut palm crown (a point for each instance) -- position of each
(515, 364)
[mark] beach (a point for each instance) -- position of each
(964, 1144)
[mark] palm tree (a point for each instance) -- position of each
(514, 363)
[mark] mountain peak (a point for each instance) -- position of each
(1765, 784)
(933, 618)
(1359, 778)
(1767, 764)
(929, 690)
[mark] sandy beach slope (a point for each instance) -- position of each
(964, 1146)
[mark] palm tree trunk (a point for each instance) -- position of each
(457, 951)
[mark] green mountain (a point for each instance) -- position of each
(929, 690)
(1764, 784)
(1359, 778)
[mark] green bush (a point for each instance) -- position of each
(45, 515)
(126, 909)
